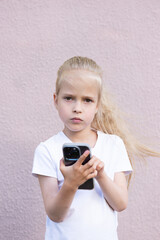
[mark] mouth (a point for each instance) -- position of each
(76, 120)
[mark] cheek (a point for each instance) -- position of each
(91, 113)
(63, 112)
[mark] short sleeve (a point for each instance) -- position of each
(43, 163)
(122, 162)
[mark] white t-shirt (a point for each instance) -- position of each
(89, 217)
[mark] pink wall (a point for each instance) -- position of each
(36, 36)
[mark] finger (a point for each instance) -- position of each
(90, 167)
(82, 158)
(93, 162)
(97, 163)
(100, 166)
(89, 171)
(92, 175)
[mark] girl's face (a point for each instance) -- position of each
(77, 100)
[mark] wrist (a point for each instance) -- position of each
(101, 176)
(69, 186)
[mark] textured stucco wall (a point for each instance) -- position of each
(36, 36)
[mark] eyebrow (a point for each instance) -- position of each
(72, 95)
(89, 97)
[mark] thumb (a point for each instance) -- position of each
(100, 166)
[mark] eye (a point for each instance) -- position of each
(68, 98)
(88, 100)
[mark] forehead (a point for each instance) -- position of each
(81, 80)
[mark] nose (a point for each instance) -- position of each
(77, 107)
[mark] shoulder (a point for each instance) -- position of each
(111, 141)
(112, 138)
(47, 156)
(51, 144)
(55, 139)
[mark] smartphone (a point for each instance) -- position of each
(71, 153)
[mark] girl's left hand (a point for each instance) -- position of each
(98, 165)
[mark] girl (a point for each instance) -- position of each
(89, 117)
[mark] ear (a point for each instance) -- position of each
(55, 98)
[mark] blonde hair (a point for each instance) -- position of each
(108, 118)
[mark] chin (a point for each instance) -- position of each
(75, 129)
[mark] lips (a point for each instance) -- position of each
(76, 120)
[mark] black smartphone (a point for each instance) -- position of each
(71, 153)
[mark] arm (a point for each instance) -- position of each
(115, 192)
(57, 202)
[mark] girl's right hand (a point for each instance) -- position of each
(77, 174)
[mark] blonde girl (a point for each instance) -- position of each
(89, 116)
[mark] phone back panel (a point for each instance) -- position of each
(89, 183)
